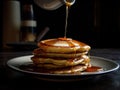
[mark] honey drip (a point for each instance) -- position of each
(68, 5)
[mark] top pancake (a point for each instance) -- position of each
(63, 45)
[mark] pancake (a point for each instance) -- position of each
(41, 53)
(63, 45)
(58, 63)
(64, 70)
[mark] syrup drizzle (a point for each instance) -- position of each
(68, 5)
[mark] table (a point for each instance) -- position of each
(12, 80)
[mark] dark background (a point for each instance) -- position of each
(1, 5)
(94, 22)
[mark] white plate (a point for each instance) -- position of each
(107, 65)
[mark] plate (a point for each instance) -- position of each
(107, 65)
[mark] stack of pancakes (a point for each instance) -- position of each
(61, 56)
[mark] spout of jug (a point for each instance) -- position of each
(52, 4)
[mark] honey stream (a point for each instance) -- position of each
(68, 5)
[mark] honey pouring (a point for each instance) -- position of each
(68, 3)
(52, 5)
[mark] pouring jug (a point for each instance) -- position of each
(52, 4)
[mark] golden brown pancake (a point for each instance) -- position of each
(41, 53)
(63, 45)
(58, 62)
(64, 70)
